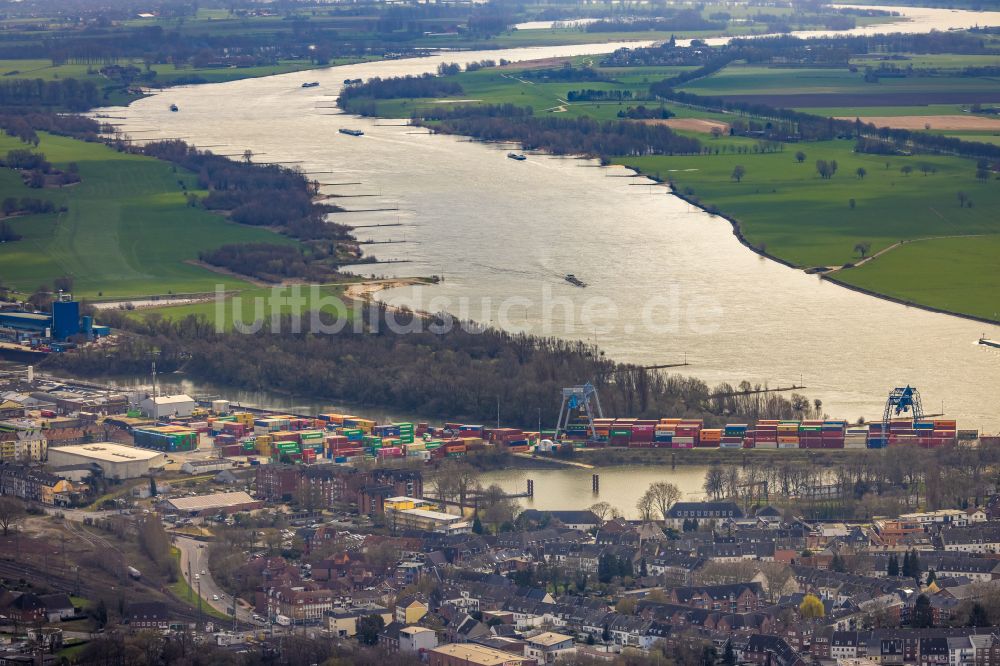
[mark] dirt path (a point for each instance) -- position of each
(872, 257)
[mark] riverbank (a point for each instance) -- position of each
(872, 203)
(603, 458)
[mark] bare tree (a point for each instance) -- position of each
(715, 482)
(664, 495)
(646, 505)
(602, 510)
(11, 513)
(862, 249)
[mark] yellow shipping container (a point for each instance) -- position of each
(244, 418)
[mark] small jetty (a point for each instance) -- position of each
(574, 280)
(351, 132)
(516, 156)
(310, 84)
(989, 343)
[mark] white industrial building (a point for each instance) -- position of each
(117, 461)
(166, 406)
(205, 466)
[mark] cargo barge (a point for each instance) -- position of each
(574, 280)
(351, 132)
(310, 84)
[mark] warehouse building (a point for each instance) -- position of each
(166, 406)
(208, 505)
(117, 461)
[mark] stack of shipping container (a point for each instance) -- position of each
(168, 438)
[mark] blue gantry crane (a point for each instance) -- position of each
(902, 401)
(584, 400)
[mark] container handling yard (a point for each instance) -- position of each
(347, 439)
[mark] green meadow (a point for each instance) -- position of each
(755, 80)
(127, 230)
(953, 274)
(785, 208)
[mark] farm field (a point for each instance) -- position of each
(928, 60)
(809, 88)
(166, 74)
(755, 80)
(953, 274)
(885, 111)
(993, 138)
(127, 231)
(940, 122)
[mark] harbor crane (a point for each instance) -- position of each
(902, 400)
(584, 399)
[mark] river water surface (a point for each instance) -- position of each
(665, 280)
(571, 488)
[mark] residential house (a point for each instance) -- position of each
(58, 607)
(702, 512)
(148, 615)
(409, 610)
(343, 622)
(547, 647)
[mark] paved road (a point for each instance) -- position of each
(191, 551)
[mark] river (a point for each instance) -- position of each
(621, 487)
(666, 280)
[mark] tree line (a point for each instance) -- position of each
(560, 136)
(459, 373)
(68, 94)
(685, 19)
(24, 124)
(427, 85)
(272, 262)
(254, 194)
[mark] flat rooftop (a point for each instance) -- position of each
(432, 515)
(549, 638)
(479, 655)
(108, 452)
(213, 501)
